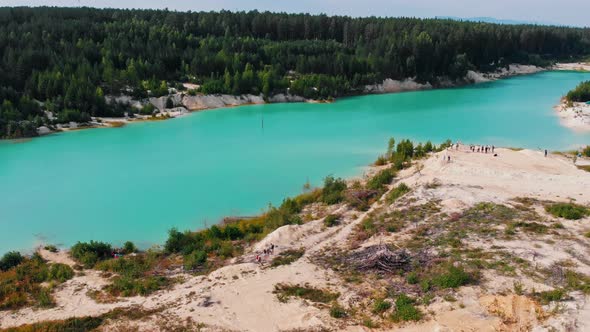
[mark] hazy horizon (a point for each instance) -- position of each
(566, 12)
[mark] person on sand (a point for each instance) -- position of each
(493, 148)
(545, 152)
(449, 160)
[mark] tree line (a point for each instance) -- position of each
(66, 60)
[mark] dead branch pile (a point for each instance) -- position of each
(381, 258)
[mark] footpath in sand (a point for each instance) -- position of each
(239, 297)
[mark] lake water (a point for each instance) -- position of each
(135, 183)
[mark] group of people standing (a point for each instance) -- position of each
(482, 148)
(266, 252)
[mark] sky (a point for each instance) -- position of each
(562, 12)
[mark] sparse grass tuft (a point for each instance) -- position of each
(550, 296)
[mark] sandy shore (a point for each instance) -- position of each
(239, 296)
(576, 116)
(576, 66)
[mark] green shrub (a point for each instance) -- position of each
(380, 306)
(568, 210)
(384, 177)
(44, 298)
(405, 310)
(580, 94)
(405, 149)
(226, 250)
(333, 190)
(551, 296)
(425, 285)
(60, 272)
(10, 260)
(337, 311)
(91, 253)
(397, 192)
(331, 220)
(454, 277)
(195, 260)
(586, 151)
(412, 278)
(129, 286)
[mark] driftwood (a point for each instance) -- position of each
(381, 258)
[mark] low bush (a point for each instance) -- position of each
(551, 296)
(90, 253)
(568, 210)
(337, 311)
(412, 278)
(333, 191)
(397, 192)
(380, 306)
(384, 177)
(60, 272)
(130, 286)
(331, 220)
(195, 260)
(287, 257)
(454, 277)
(285, 291)
(405, 310)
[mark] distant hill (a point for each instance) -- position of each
(493, 20)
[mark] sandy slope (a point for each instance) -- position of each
(239, 296)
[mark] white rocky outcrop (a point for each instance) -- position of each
(389, 85)
(201, 102)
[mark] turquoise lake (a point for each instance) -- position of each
(135, 183)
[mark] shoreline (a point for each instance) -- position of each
(186, 104)
(575, 117)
